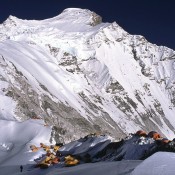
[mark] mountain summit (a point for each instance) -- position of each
(81, 75)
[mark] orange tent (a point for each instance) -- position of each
(141, 133)
(34, 148)
(154, 135)
(70, 161)
(55, 160)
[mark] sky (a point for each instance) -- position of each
(154, 19)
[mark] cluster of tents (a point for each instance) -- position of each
(95, 148)
(46, 148)
(52, 156)
(154, 135)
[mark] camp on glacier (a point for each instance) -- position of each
(65, 77)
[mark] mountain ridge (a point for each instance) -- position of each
(82, 75)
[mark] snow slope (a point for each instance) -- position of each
(159, 163)
(16, 138)
(81, 75)
(103, 168)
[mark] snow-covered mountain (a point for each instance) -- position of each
(81, 75)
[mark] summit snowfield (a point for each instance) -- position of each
(81, 75)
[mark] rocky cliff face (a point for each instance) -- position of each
(81, 75)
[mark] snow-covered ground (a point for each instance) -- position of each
(102, 168)
(16, 138)
(161, 163)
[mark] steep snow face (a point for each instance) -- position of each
(16, 138)
(82, 75)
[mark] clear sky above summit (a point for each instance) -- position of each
(152, 19)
